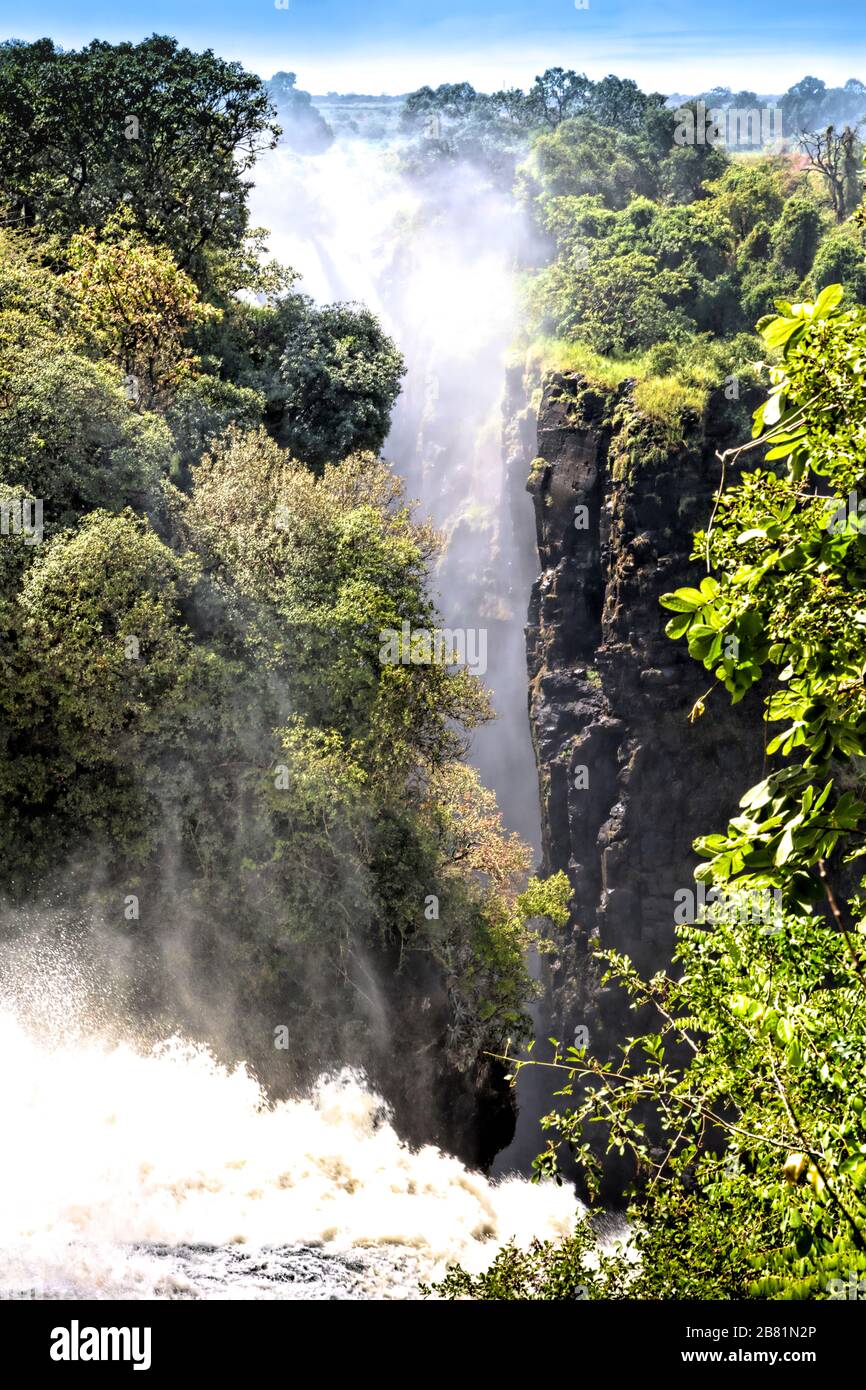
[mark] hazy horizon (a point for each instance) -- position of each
(388, 48)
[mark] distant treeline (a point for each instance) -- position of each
(498, 122)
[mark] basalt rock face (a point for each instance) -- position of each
(626, 780)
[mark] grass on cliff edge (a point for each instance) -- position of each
(662, 397)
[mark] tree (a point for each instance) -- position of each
(804, 104)
(619, 102)
(557, 95)
(169, 132)
(581, 156)
(303, 128)
(135, 306)
(455, 123)
(686, 169)
(104, 669)
(840, 260)
(34, 303)
(331, 562)
(748, 194)
(69, 436)
(514, 106)
(616, 304)
(836, 156)
(853, 102)
(455, 101)
(202, 410)
(796, 234)
(341, 376)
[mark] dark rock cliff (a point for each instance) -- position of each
(626, 780)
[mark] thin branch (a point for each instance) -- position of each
(840, 922)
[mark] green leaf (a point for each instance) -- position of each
(776, 333)
(677, 627)
(794, 1055)
(683, 600)
(829, 299)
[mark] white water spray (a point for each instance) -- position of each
(161, 1174)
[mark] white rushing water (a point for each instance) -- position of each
(129, 1174)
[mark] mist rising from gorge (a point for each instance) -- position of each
(435, 257)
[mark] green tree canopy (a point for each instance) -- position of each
(341, 375)
(168, 132)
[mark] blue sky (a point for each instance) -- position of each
(395, 45)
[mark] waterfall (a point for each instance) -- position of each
(435, 258)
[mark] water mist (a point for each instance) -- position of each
(435, 258)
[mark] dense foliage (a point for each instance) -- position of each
(745, 1112)
(669, 244)
(205, 757)
(204, 752)
(168, 132)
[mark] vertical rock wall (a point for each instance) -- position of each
(626, 781)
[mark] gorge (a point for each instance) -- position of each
(582, 645)
(471, 431)
(433, 501)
